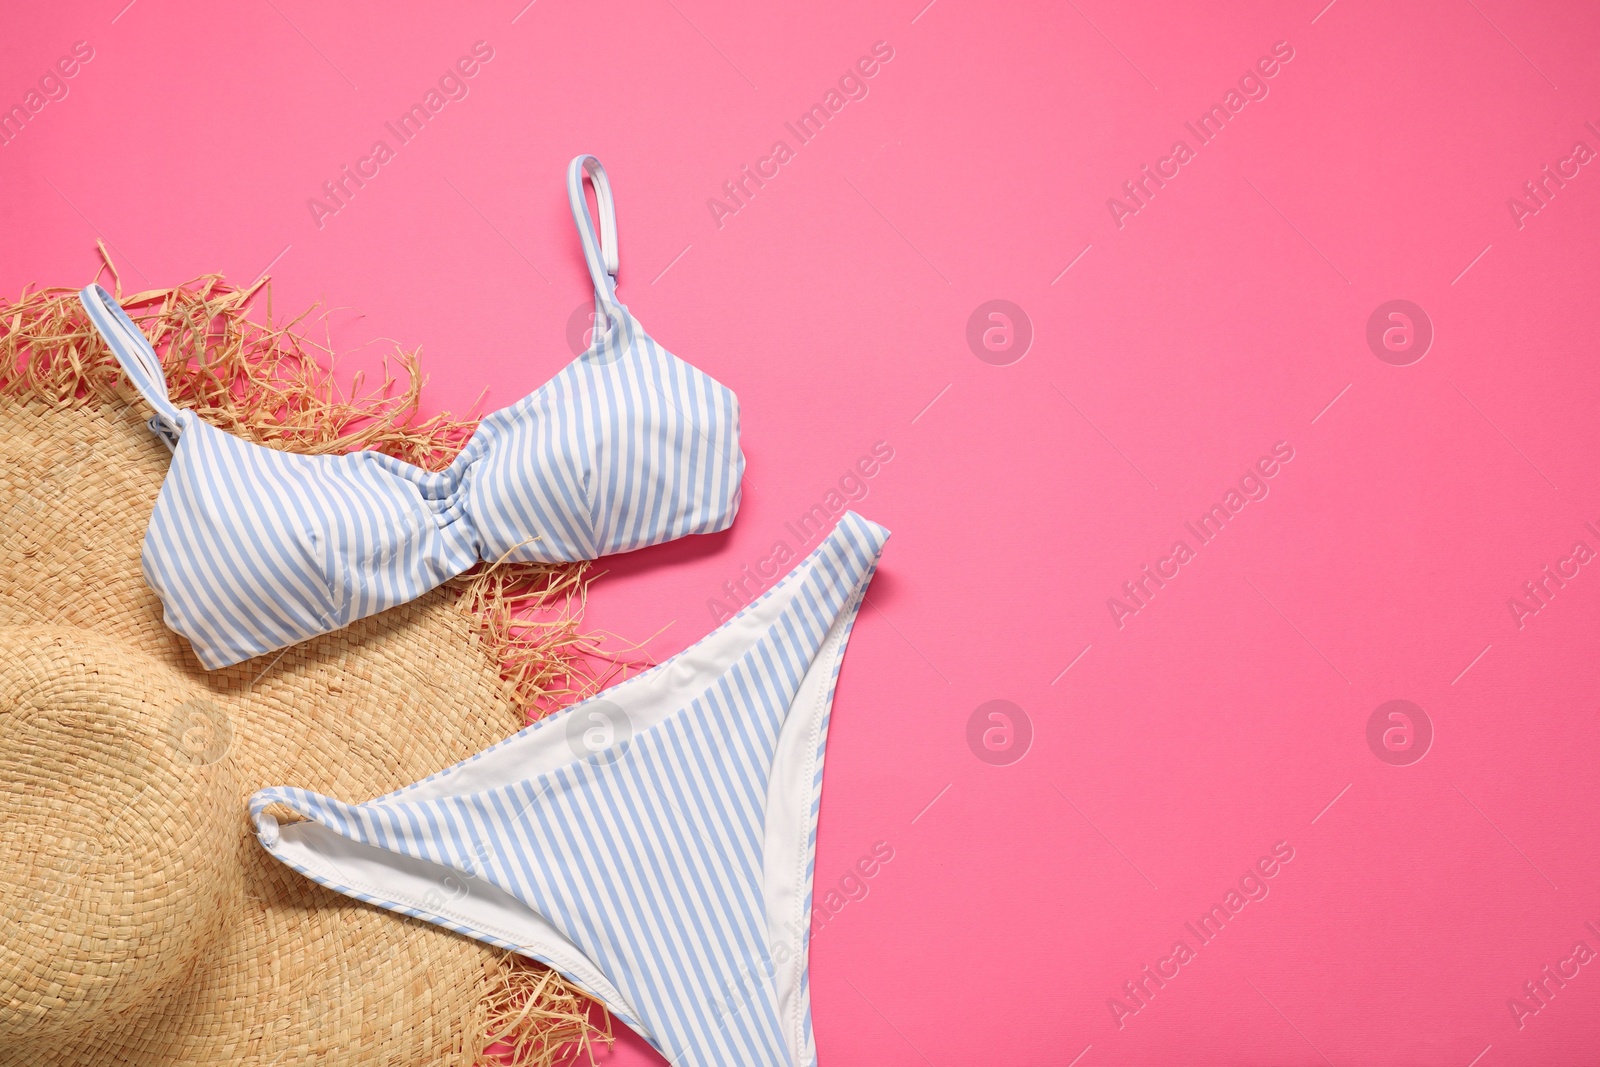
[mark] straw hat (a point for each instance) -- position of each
(139, 922)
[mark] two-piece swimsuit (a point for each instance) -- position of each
(655, 844)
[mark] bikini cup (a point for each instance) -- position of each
(252, 550)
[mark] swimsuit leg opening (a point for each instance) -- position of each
(794, 806)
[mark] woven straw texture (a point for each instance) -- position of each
(140, 924)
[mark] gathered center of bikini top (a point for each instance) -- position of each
(252, 549)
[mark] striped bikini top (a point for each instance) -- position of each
(251, 549)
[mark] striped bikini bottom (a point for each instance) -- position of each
(654, 844)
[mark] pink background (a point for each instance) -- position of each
(1229, 313)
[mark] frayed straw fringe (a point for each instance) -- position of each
(532, 1018)
(258, 381)
(261, 381)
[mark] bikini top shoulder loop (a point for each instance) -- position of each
(138, 360)
(601, 253)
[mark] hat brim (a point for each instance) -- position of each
(294, 973)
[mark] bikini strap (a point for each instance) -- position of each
(601, 252)
(139, 361)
